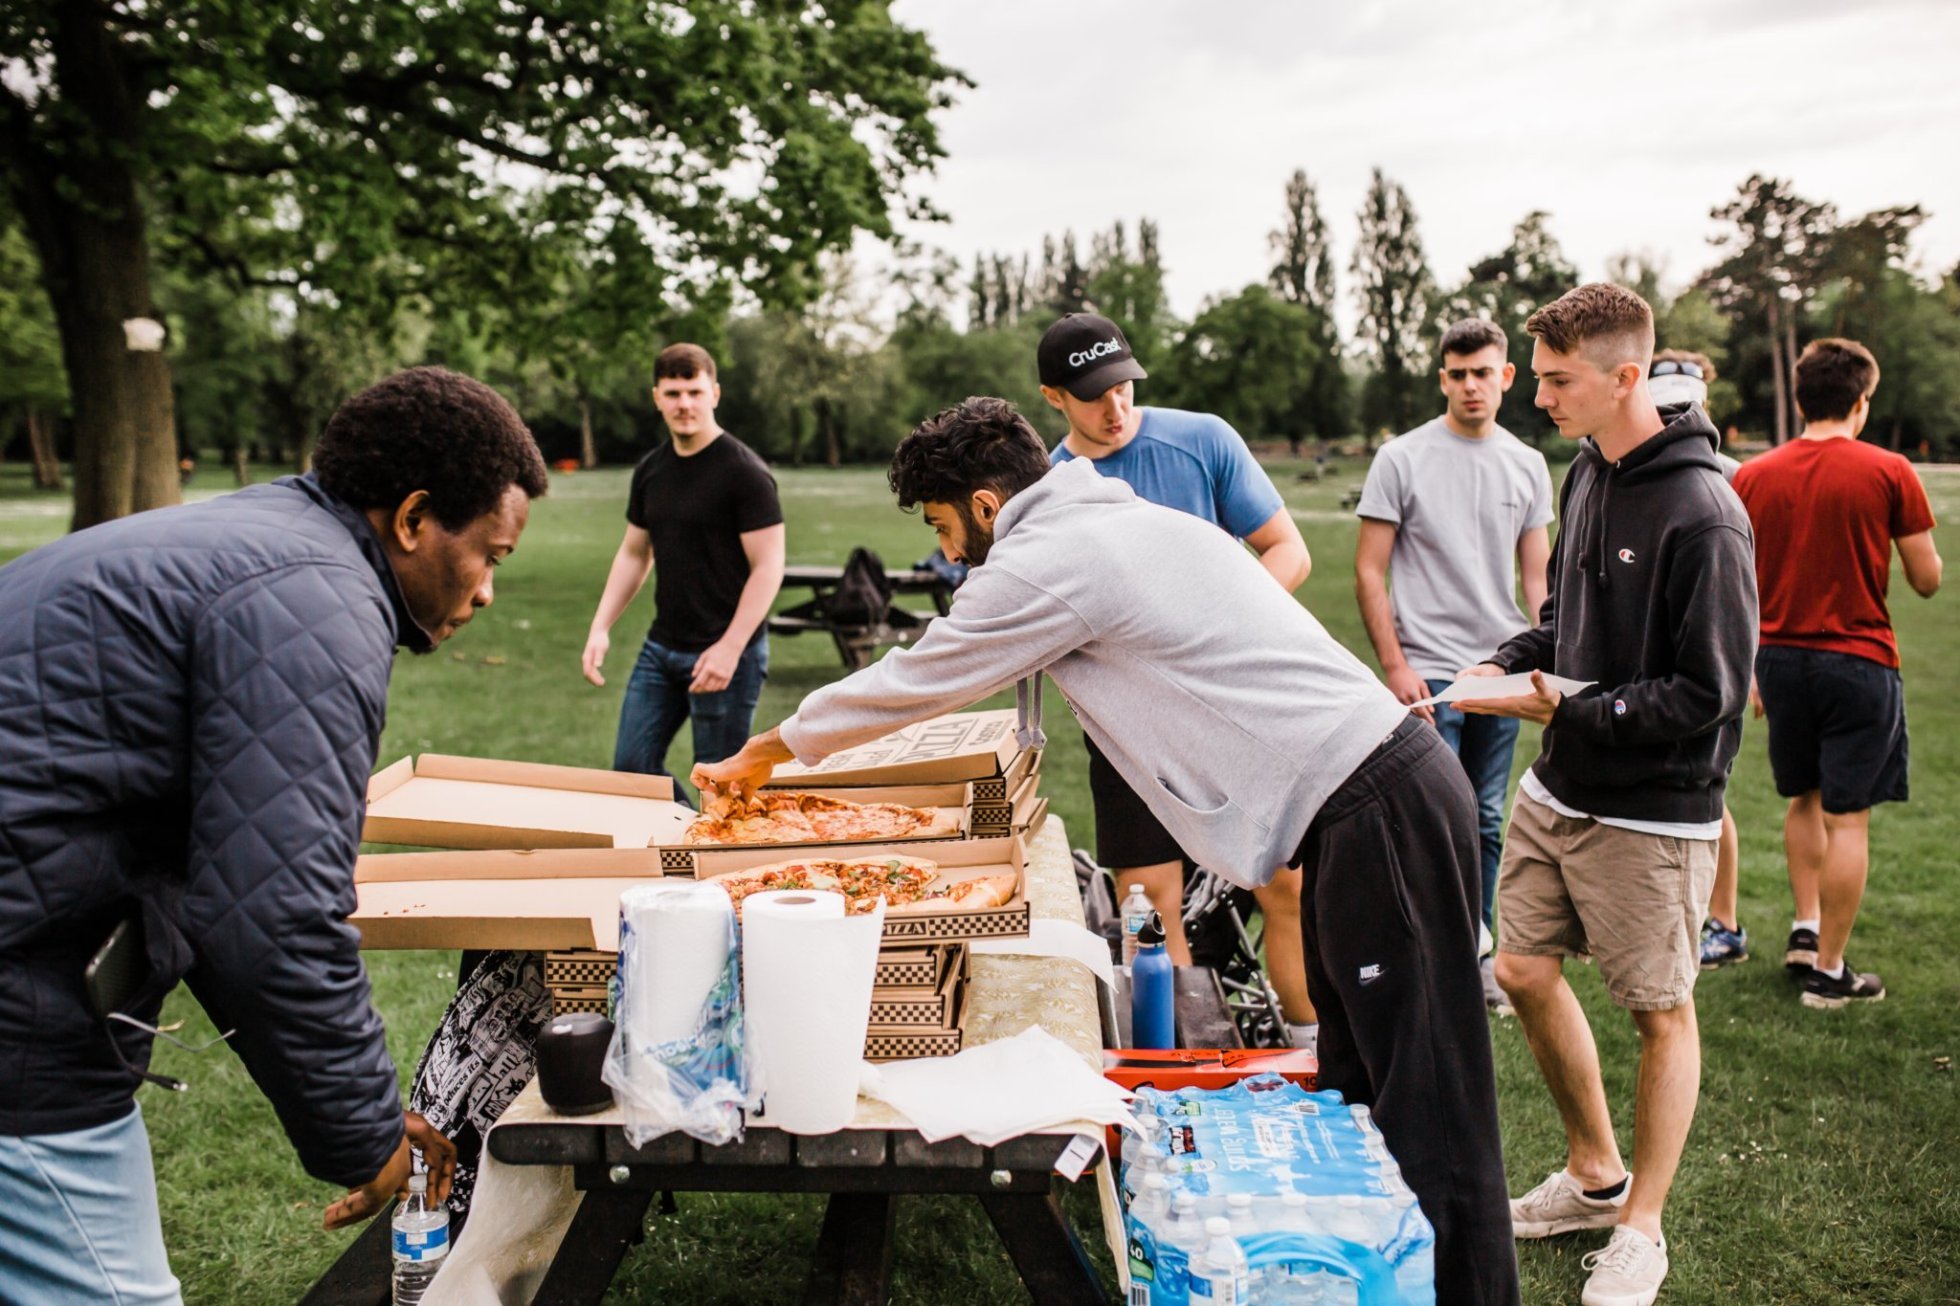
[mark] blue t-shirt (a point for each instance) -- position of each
(1193, 462)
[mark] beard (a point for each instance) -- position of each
(979, 537)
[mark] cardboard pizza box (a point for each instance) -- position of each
(932, 1008)
(982, 748)
(908, 967)
(960, 859)
(527, 915)
(438, 801)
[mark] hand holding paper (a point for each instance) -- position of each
(1528, 695)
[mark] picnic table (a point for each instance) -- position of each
(862, 1168)
(858, 641)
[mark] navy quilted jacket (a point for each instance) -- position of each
(190, 704)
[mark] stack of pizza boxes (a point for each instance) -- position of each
(539, 854)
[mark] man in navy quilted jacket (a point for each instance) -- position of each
(190, 704)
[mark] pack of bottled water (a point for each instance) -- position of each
(1264, 1192)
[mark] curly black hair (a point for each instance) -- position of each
(980, 444)
(429, 429)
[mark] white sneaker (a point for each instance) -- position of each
(1627, 1271)
(1560, 1205)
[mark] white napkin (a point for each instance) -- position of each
(1053, 938)
(1021, 1085)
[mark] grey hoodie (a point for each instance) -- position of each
(1217, 697)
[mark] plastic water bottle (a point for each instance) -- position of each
(421, 1241)
(1135, 913)
(1153, 999)
(1220, 1276)
(1187, 1228)
(1238, 1210)
(1153, 1204)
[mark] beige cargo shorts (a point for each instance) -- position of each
(1634, 902)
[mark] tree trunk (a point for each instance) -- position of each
(82, 210)
(241, 469)
(588, 451)
(40, 444)
(1790, 368)
(827, 424)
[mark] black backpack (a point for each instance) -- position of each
(863, 594)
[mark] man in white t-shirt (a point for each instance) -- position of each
(1449, 508)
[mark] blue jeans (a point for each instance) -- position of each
(78, 1218)
(657, 702)
(1483, 744)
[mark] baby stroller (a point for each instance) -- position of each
(1224, 931)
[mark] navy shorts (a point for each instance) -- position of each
(1128, 833)
(1837, 724)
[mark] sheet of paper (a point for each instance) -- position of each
(1516, 685)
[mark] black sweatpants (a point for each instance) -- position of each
(1389, 910)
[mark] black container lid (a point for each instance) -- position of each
(1152, 932)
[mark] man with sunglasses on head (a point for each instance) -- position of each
(1448, 508)
(1196, 463)
(1679, 377)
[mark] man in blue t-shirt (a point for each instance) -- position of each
(1197, 463)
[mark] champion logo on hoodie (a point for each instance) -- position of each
(1626, 555)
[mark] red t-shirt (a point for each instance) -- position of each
(1825, 514)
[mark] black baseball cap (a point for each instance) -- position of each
(1085, 354)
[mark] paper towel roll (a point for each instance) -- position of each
(674, 943)
(807, 974)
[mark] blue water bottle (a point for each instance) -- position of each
(1153, 995)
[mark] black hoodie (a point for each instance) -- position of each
(1652, 594)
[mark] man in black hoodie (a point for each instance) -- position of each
(1611, 851)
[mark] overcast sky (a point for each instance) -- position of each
(1627, 122)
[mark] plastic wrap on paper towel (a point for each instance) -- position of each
(677, 1059)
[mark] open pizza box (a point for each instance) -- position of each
(962, 817)
(536, 900)
(962, 859)
(439, 801)
(981, 749)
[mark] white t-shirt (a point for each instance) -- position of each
(1538, 793)
(1458, 506)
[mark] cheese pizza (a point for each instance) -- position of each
(773, 816)
(904, 883)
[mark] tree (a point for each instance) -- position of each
(1507, 288)
(1775, 256)
(1394, 288)
(1130, 289)
(1303, 274)
(370, 152)
(1249, 358)
(31, 381)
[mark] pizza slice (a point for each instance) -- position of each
(791, 817)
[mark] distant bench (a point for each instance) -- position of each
(859, 641)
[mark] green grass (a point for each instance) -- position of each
(1822, 1166)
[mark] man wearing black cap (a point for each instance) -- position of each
(1197, 463)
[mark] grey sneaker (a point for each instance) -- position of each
(1559, 1205)
(1627, 1271)
(1494, 996)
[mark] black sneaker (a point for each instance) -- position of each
(1801, 952)
(1825, 994)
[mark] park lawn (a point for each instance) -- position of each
(1822, 1167)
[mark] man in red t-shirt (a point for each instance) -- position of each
(1827, 510)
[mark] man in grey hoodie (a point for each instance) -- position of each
(1254, 737)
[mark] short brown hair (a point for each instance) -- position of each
(1688, 356)
(1610, 322)
(1832, 376)
(1473, 335)
(683, 361)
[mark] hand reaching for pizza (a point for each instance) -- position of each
(731, 785)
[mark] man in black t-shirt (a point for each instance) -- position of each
(704, 506)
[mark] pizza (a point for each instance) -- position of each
(774, 816)
(904, 883)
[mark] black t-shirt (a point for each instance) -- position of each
(696, 509)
